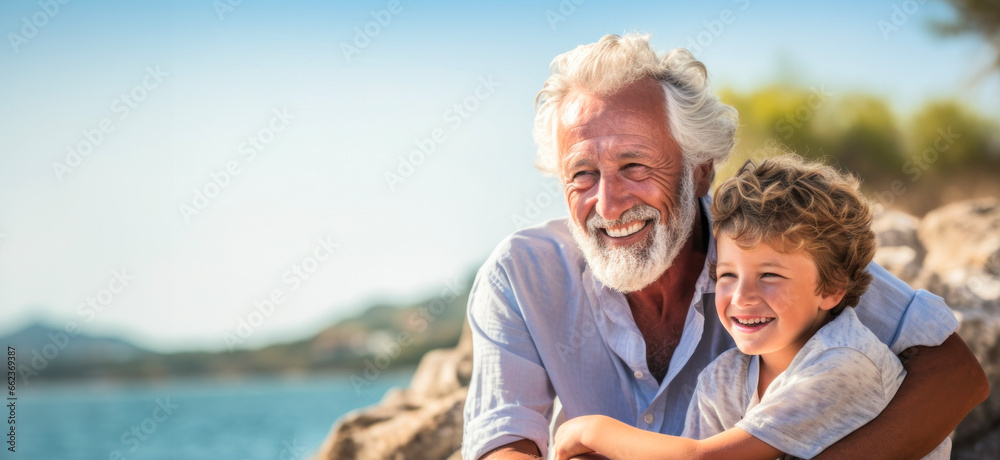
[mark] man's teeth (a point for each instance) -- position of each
(627, 230)
(753, 321)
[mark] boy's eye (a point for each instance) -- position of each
(726, 275)
(771, 275)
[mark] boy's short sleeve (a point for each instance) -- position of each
(718, 401)
(834, 395)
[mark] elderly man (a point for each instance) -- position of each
(612, 310)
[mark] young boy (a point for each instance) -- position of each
(793, 241)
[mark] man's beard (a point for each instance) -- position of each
(631, 268)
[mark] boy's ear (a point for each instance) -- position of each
(828, 301)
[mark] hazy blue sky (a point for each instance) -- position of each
(178, 87)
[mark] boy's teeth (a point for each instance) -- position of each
(753, 321)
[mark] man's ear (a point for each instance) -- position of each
(703, 176)
(828, 301)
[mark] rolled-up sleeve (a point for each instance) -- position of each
(902, 317)
(510, 396)
(928, 322)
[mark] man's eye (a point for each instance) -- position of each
(584, 176)
(634, 170)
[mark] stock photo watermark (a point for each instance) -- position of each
(563, 10)
(390, 348)
(364, 35)
(577, 336)
(31, 26)
(792, 121)
(140, 432)
(247, 151)
(534, 206)
(12, 398)
(88, 310)
(425, 147)
(714, 28)
(122, 107)
(918, 164)
(901, 13)
(290, 450)
(225, 7)
(293, 277)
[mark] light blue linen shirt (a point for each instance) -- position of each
(543, 325)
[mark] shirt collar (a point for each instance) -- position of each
(704, 285)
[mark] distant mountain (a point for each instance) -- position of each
(55, 343)
(382, 336)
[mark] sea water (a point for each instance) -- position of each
(262, 418)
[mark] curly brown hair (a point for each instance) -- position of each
(792, 204)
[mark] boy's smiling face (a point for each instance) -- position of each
(767, 299)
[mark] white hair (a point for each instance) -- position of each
(701, 125)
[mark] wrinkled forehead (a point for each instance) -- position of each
(644, 98)
(635, 116)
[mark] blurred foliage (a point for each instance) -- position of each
(979, 17)
(943, 146)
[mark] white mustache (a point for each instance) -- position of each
(637, 212)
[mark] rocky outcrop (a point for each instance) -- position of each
(960, 247)
(423, 421)
(953, 251)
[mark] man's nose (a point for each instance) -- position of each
(612, 197)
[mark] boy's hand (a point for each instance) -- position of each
(570, 437)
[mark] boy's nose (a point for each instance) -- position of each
(745, 294)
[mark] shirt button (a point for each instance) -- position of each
(638, 374)
(648, 418)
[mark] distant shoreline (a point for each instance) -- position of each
(75, 385)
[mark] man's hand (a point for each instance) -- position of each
(524, 449)
(943, 384)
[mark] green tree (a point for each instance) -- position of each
(979, 17)
(946, 137)
(864, 137)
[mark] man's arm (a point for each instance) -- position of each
(518, 450)
(926, 407)
(510, 393)
(527, 450)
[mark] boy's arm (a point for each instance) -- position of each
(616, 440)
(926, 407)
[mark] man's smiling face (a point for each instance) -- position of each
(630, 193)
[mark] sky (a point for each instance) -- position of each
(169, 168)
